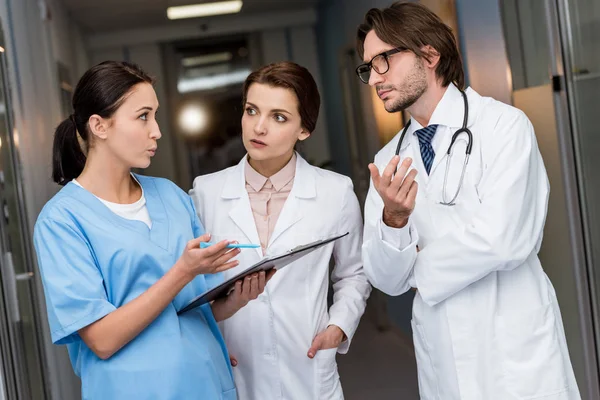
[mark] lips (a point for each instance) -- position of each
(258, 142)
(383, 93)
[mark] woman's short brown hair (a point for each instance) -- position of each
(412, 26)
(296, 78)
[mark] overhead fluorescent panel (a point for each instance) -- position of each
(204, 9)
(205, 59)
(212, 82)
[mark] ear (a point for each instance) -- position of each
(303, 135)
(432, 56)
(99, 126)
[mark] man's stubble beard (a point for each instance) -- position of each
(414, 87)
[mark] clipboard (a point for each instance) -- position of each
(277, 262)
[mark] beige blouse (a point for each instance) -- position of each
(267, 197)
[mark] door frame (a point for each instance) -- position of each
(561, 52)
(15, 366)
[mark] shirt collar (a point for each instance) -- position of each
(449, 111)
(279, 180)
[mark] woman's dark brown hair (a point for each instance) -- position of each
(413, 26)
(296, 78)
(101, 90)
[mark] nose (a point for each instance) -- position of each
(155, 132)
(260, 128)
(375, 78)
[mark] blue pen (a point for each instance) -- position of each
(204, 245)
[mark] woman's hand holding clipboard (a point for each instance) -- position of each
(266, 264)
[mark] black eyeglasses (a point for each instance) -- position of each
(379, 63)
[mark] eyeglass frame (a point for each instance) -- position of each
(386, 55)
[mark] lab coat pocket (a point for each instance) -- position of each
(428, 386)
(328, 379)
(531, 356)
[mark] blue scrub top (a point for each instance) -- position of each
(93, 261)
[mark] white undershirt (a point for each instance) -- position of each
(137, 211)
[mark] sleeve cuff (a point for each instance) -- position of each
(412, 282)
(399, 238)
(69, 334)
(348, 331)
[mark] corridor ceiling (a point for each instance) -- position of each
(96, 16)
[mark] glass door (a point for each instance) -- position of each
(555, 81)
(579, 22)
(20, 337)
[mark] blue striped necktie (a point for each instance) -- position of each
(425, 136)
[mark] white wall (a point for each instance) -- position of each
(34, 45)
(483, 48)
(526, 43)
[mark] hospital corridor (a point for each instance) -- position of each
(160, 158)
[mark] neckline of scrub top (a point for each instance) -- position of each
(129, 207)
(158, 233)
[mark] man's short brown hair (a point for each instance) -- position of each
(412, 26)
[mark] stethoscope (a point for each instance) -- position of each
(464, 129)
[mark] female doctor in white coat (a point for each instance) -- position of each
(285, 342)
(486, 322)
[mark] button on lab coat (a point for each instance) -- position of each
(270, 337)
(486, 322)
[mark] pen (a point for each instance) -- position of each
(204, 245)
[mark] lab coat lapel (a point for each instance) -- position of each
(442, 150)
(241, 212)
(159, 234)
(410, 148)
(303, 188)
(450, 113)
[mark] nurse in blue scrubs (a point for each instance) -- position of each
(119, 255)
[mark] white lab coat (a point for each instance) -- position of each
(486, 322)
(270, 337)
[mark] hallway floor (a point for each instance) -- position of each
(379, 366)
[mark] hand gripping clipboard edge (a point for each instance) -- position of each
(265, 264)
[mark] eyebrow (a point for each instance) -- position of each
(148, 108)
(375, 55)
(277, 110)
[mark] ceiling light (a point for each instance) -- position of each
(206, 59)
(212, 82)
(204, 9)
(210, 70)
(192, 119)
